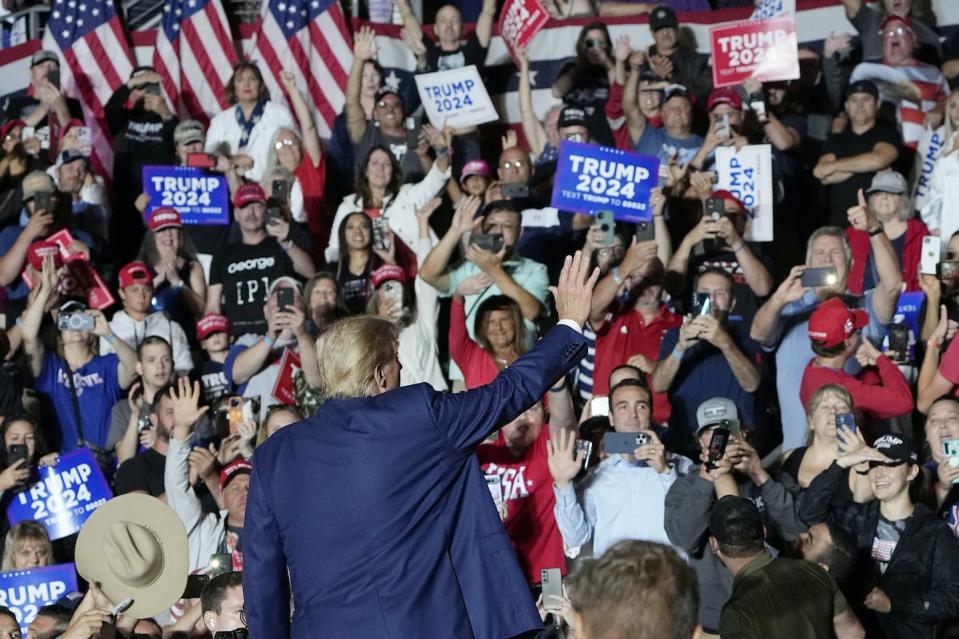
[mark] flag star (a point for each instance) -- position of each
(529, 482)
(83, 7)
(69, 18)
(289, 24)
(80, 22)
(178, 12)
(71, 4)
(56, 14)
(65, 34)
(192, 3)
(532, 78)
(303, 13)
(281, 6)
(95, 12)
(315, 4)
(392, 80)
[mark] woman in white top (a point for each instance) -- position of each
(248, 127)
(381, 192)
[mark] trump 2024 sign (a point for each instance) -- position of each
(761, 49)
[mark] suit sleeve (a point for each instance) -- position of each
(467, 418)
(266, 594)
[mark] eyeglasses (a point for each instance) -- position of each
(514, 164)
(282, 143)
(898, 31)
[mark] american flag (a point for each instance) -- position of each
(89, 38)
(309, 38)
(195, 55)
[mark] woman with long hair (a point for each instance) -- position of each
(27, 545)
(499, 329)
(358, 260)
(248, 126)
(585, 79)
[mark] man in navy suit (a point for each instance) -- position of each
(377, 506)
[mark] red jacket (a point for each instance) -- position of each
(911, 252)
(881, 392)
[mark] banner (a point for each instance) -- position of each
(520, 21)
(455, 98)
(284, 390)
(748, 174)
(198, 196)
(26, 591)
(763, 49)
(907, 312)
(932, 144)
(773, 8)
(78, 278)
(65, 496)
(592, 178)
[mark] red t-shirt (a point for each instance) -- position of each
(949, 365)
(627, 335)
(528, 493)
(881, 391)
(312, 181)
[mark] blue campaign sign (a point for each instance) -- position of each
(908, 307)
(26, 591)
(591, 178)
(200, 197)
(65, 496)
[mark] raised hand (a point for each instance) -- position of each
(464, 216)
(186, 407)
(860, 217)
(622, 48)
(509, 140)
(424, 212)
(574, 292)
(563, 464)
(364, 44)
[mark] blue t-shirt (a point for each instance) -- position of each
(655, 141)
(704, 373)
(98, 389)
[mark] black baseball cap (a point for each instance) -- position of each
(736, 520)
(863, 86)
(898, 448)
(662, 17)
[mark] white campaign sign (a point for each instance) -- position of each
(748, 175)
(931, 145)
(455, 98)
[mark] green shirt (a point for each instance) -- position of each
(781, 598)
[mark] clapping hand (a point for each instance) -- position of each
(574, 292)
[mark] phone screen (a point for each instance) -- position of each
(816, 277)
(717, 446)
(599, 406)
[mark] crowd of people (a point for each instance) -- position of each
(762, 439)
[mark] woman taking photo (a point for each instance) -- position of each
(499, 329)
(179, 287)
(380, 192)
(908, 556)
(822, 447)
(248, 127)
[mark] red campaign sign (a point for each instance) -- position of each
(761, 49)
(78, 277)
(283, 389)
(520, 21)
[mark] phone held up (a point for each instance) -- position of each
(552, 582)
(816, 277)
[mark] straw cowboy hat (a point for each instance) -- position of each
(135, 546)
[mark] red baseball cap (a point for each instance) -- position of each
(724, 95)
(248, 194)
(135, 273)
(832, 322)
(233, 469)
(165, 217)
(387, 272)
(38, 250)
(729, 197)
(892, 18)
(212, 323)
(10, 125)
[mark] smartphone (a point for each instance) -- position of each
(85, 139)
(16, 452)
(759, 108)
(380, 227)
(234, 413)
(599, 406)
(721, 125)
(623, 443)
(75, 322)
(515, 190)
(899, 342)
(495, 485)
(273, 214)
(281, 191)
(194, 586)
(392, 291)
(586, 447)
(951, 449)
(53, 77)
(847, 422)
(608, 225)
(28, 132)
(284, 298)
(220, 563)
(201, 160)
(931, 255)
(816, 277)
(410, 123)
(552, 582)
(717, 446)
(702, 304)
(645, 232)
(492, 242)
(152, 88)
(41, 201)
(715, 208)
(732, 425)
(948, 271)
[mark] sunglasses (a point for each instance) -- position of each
(596, 44)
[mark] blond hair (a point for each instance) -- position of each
(349, 353)
(27, 530)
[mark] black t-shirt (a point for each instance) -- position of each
(848, 144)
(142, 472)
(590, 94)
(470, 52)
(212, 380)
(246, 273)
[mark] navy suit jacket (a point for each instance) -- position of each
(378, 509)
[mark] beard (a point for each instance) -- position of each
(324, 314)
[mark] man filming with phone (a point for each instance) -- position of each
(623, 497)
(728, 466)
(707, 356)
(782, 322)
